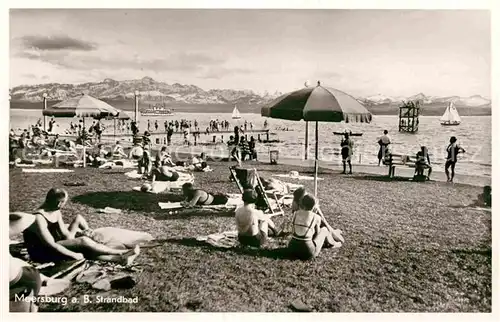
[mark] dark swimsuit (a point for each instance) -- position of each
(301, 247)
(38, 250)
(218, 199)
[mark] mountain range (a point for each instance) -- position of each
(171, 94)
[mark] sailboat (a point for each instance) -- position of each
(236, 113)
(450, 116)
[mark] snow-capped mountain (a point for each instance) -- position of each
(148, 88)
(472, 101)
(151, 90)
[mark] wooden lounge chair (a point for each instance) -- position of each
(249, 179)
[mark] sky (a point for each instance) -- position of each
(361, 52)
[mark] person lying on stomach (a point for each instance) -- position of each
(199, 197)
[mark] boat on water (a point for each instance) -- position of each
(156, 110)
(236, 113)
(450, 116)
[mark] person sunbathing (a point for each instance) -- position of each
(164, 173)
(199, 197)
(253, 225)
(308, 237)
(48, 239)
(118, 150)
(199, 162)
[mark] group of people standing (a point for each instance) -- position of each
(240, 148)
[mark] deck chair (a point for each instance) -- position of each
(249, 179)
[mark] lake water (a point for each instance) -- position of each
(474, 134)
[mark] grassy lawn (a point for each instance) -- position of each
(409, 247)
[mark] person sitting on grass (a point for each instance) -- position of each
(164, 173)
(199, 197)
(298, 194)
(253, 225)
(49, 239)
(200, 162)
(118, 150)
(423, 162)
(308, 237)
(163, 158)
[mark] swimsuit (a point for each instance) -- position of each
(302, 247)
(38, 250)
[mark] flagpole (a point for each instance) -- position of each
(316, 163)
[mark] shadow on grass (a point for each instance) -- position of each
(484, 252)
(276, 253)
(127, 200)
(165, 214)
(384, 178)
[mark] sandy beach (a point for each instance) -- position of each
(413, 247)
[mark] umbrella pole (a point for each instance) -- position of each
(316, 162)
(83, 141)
(114, 129)
(307, 140)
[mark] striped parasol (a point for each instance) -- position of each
(317, 104)
(82, 106)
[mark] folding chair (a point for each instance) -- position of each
(249, 179)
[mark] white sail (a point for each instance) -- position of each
(446, 115)
(236, 113)
(454, 117)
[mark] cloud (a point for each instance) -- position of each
(221, 72)
(54, 43)
(185, 62)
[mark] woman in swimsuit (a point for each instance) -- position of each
(297, 199)
(165, 173)
(308, 237)
(198, 197)
(48, 238)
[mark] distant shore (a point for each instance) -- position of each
(383, 109)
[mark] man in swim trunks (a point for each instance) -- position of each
(253, 225)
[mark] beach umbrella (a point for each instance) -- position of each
(317, 104)
(82, 106)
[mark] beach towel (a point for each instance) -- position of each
(46, 170)
(227, 239)
(295, 177)
(121, 238)
(22, 165)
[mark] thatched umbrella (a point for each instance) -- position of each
(318, 104)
